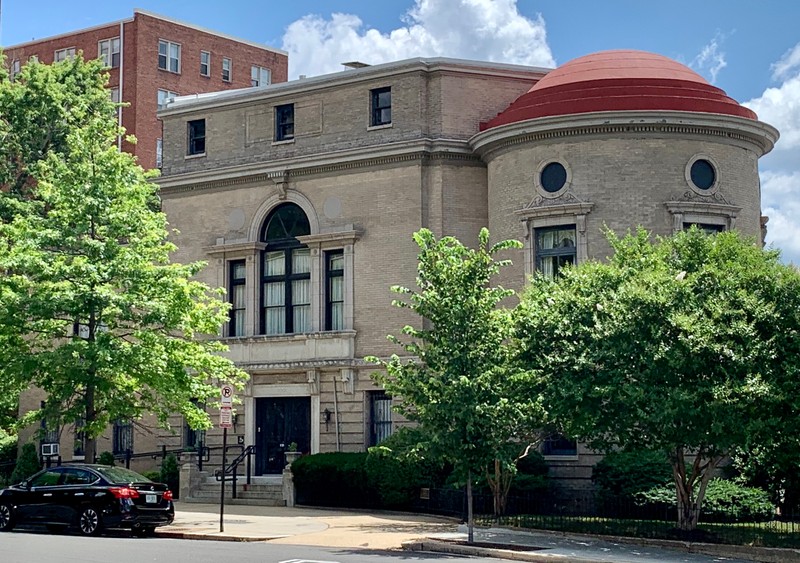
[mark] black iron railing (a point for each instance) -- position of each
(231, 471)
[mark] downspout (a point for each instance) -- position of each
(336, 415)
(121, 65)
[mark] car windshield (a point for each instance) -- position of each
(121, 475)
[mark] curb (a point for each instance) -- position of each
(211, 537)
(458, 549)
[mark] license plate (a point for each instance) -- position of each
(151, 499)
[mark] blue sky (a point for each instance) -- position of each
(749, 49)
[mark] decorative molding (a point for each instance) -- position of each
(234, 247)
(348, 378)
(702, 210)
(711, 198)
(754, 134)
(570, 205)
(565, 197)
(349, 236)
(281, 183)
(312, 376)
(426, 150)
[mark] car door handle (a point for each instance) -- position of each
(47, 495)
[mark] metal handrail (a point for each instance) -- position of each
(233, 467)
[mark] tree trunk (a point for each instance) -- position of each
(500, 484)
(690, 501)
(90, 442)
(470, 519)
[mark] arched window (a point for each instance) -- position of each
(286, 272)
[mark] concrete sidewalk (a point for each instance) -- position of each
(416, 532)
(304, 526)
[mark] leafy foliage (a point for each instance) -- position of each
(106, 458)
(725, 501)
(400, 466)
(92, 310)
(622, 474)
(686, 345)
(170, 474)
(27, 463)
(454, 378)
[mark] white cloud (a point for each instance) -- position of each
(711, 59)
(491, 30)
(780, 177)
(789, 61)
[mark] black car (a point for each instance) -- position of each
(90, 497)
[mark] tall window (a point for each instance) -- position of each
(334, 294)
(197, 136)
(381, 105)
(555, 247)
(284, 122)
(64, 54)
(286, 272)
(259, 76)
(14, 68)
(164, 96)
(169, 56)
(380, 417)
(237, 295)
(159, 152)
(205, 63)
(108, 52)
(114, 93)
(122, 440)
(226, 70)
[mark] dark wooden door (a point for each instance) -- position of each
(279, 422)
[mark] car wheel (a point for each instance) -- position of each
(6, 518)
(89, 522)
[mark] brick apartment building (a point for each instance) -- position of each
(151, 58)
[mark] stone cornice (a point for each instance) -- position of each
(244, 247)
(701, 206)
(217, 100)
(363, 157)
(573, 208)
(345, 237)
(756, 135)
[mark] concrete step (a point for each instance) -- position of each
(237, 501)
(275, 495)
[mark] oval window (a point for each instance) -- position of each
(703, 174)
(553, 177)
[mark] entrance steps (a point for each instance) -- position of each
(262, 491)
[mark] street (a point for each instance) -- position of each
(35, 547)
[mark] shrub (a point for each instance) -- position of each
(27, 464)
(333, 479)
(532, 475)
(106, 458)
(8, 454)
(152, 475)
(621, 475)
(725, 501)
(399, 467)
(170, 474)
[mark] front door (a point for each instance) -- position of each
(279, 422)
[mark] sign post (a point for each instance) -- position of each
(225, 422)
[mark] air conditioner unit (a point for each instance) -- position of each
(49, 450)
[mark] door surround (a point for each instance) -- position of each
(286, 390)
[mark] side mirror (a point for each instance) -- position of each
(27, 484)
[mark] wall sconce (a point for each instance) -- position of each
(234, 419)
(327, 414)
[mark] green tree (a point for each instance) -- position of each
(454, 379)
(92, 310)
(688, 346)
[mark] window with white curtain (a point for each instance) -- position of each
(334, 298)
(286, 272)
(555, 248)
(238, 298)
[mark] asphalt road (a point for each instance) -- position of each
(38, 547)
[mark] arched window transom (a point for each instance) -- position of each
(286, 272)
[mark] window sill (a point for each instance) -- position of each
(379, 127)
(560, 457)
(169, 71)
(191, 156)
(292, 336)
(283, 142)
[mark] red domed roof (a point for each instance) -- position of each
(619, 81)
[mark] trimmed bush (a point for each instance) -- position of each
(333, 479)
(8, 454)
(106, 458)
(27, 464)
(154, 476)
(725, 501)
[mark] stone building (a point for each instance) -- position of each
(151, 58)
(305, 195)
